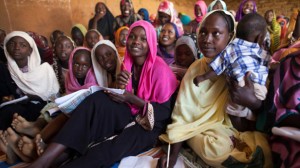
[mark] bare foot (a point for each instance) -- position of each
(11, 157)
(12, 140)
(40, 144)
(27, 147)
(21, 125)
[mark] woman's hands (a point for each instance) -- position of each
(123, 79)
(245, 95)
(126, 97)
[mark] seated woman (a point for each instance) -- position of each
(30, 78)
(167, 40)
(103, 21)
(92, 37)
(120, 41)
(283, 114)
(102, 123)
(199, 116)
(185, 55)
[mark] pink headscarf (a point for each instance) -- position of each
(203, 8)
(72, 84)
(168, 8)
(157, 81)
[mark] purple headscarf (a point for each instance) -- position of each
(239, 13)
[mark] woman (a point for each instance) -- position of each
(185, 55)
(281, 112)
(104, 126)
(128, 15)
(246, 6)
(103, 21)
(274, 31)
(199, 117)
(200, 10)
(216, 4)
(167, 40)
(167, 13)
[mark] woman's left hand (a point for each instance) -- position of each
(126, 97)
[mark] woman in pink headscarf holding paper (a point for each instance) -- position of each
(200, 11)
(137, 117)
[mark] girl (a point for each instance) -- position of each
(120, 41)
(167, 40)
(63, 47)
(185, 55)
(144, 14)
(103, 21)
(78, 33)
(81, 74)
(246, 6)
(200, 10)
(102, 128)
(30, 78)
(92, 37)
(166, 13)
(216, 4)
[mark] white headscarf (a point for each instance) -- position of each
(40, 79)
(101, 74)
(189, 42)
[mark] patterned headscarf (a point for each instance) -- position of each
(240, 14)
(168, 8)
(203, 8)
(213, 3)
(72, 84)
(157, 82)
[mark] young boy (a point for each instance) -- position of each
(244, 54)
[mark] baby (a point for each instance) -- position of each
(244, 54)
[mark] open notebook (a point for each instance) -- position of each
(68, 103)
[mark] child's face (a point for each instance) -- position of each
(100, 9)
(92, 38)
(123, 35)
(218, 5)
(198, 11)
(163, 18)
(167, 35)
(213, 35)
(269, 17)
(18, 48)
(81, 64)
(184, 56)
(126, 9)
(106, 57)
(77, 36)
(55, 36)
(63, 48)
(248, 7)
(137, 44)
